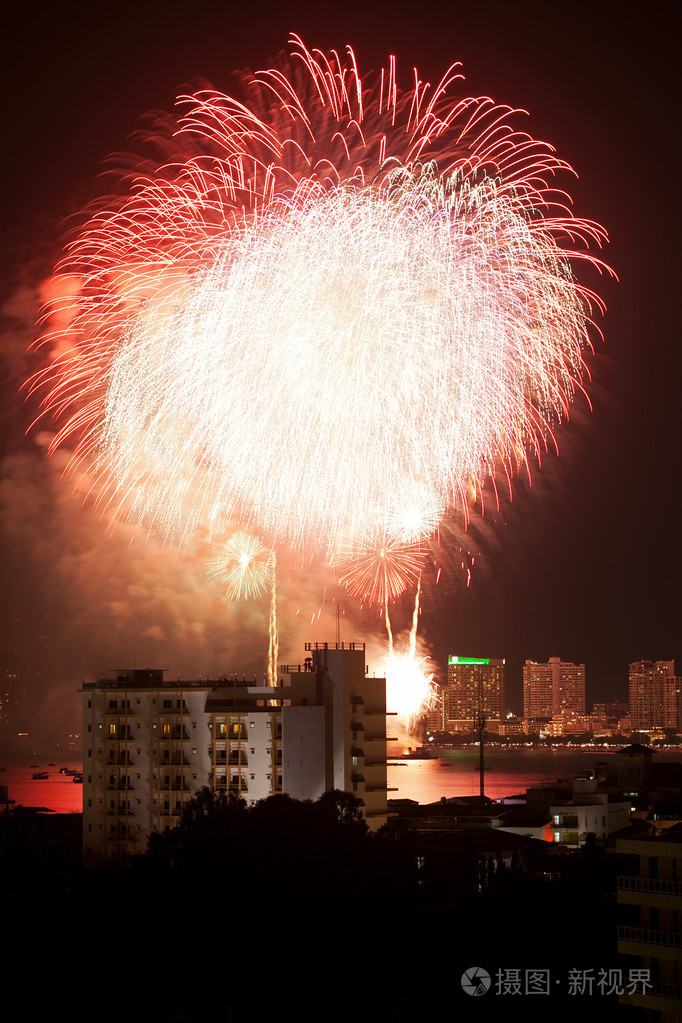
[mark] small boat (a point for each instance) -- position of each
(40, 776)
(78, 779)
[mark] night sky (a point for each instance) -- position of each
(584, 564)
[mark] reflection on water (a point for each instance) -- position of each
(508, 772)
(56, 792)
(455, 774)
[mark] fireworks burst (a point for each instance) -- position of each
(343, 289)
(379, 567)
(242, 566)
(334, 313)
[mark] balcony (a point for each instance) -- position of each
(233, 733)
(640, 941)
(120, 735)
(175, 735)
(118, 811)
(649, 886)
(236, 761)
(657, 996)
(120, 835)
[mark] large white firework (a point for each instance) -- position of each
(345, 303)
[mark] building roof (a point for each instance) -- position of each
(635, 749)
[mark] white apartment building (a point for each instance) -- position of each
(151, 744)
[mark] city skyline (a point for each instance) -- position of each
(585, 562)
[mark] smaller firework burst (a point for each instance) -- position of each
(380, 566)
(242, 565)
(416, 512)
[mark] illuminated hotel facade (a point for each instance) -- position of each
(552, 689)
(149, 744)
(475, 686)
(655, 696)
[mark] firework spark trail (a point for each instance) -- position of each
(412, 649)
(273, 635)
(409, 684)
(389, 631)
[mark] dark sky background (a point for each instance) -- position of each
(584, 564)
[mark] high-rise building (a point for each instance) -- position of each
(654, 696)
(555, 688)
(150, 744)
(475, 686)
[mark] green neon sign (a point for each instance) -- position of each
(468, 660)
